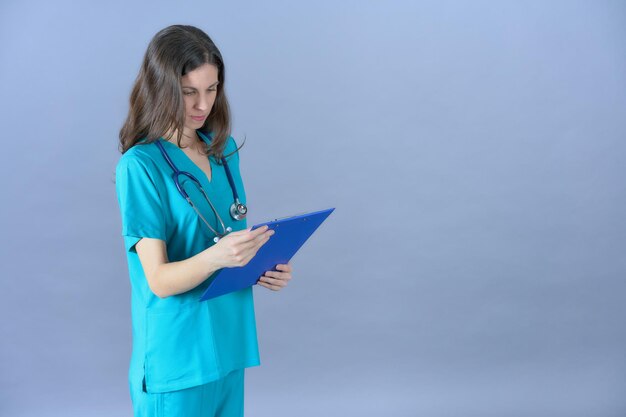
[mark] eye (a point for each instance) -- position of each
(188, 93)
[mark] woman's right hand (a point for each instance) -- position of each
(238, 248)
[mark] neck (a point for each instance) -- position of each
(190, 138)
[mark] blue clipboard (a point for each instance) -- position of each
(290, 233)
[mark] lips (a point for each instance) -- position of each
(198, 118)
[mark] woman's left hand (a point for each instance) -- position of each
(276, 280)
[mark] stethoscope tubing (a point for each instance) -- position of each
(238, 210)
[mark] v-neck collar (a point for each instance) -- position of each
(190, 161)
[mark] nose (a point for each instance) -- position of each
(203, 103)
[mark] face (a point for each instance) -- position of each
(199, 91)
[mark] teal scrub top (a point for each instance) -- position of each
(178, 341)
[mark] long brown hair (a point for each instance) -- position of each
(156, 101)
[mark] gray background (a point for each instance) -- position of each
(474, 151)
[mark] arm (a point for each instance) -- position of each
(170, 278)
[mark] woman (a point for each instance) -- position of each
(188, 357)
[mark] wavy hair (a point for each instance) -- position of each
(156, 101)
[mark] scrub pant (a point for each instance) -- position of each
(220, 398)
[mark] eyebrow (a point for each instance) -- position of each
(193, 88)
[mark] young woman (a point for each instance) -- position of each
(182, 204)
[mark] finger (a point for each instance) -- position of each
(247, 234)
(268, 286)
(284, 267)
(239, 233)
(274, 281)
(256, 243)
(248, 254)
(257, 232)
(244, 242)
(261, 240)
(279, 275)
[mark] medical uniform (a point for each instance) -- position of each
(184, 351)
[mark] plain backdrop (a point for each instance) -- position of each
(475, 153)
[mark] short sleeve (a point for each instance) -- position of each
(140, 204)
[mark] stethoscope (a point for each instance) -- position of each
(238, 210)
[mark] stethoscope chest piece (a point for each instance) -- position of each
(238, 211)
